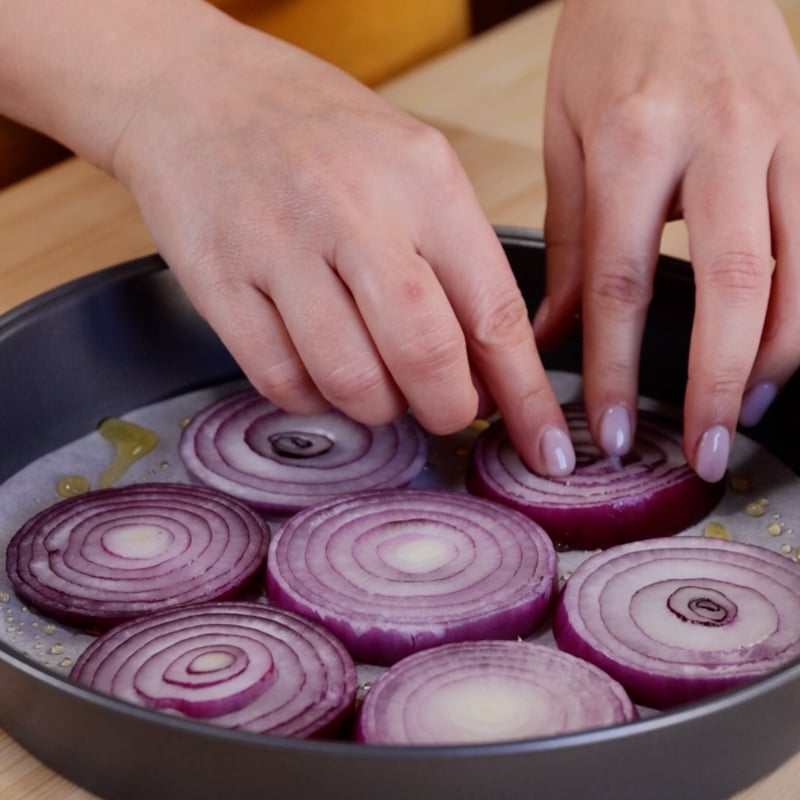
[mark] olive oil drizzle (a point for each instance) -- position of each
(130, 442)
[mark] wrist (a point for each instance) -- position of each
(80, 71)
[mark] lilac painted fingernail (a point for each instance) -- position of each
(756, 401)
(615, 431)
(711, 458)
(557, 452)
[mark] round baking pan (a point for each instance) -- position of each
(126, 337)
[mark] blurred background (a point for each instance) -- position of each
(373, 40)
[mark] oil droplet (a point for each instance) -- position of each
(65, 662)
(4, 597)
(566, 576)
(49, 629)
(716, 530)
(130, 441)
(774, 529)
(185, 422)
(786, 548)
(479, 425)
(165, 465)
(740, 484)
(72, 485)
(755, 509)
(56, 649)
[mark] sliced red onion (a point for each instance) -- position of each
(679, 619)
(113, 554)
(477, 692)
(396, 571)
(650, 492)
(238, 665)
(249, 448)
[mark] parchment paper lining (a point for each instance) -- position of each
(772, 486)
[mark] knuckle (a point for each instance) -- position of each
(529, 402)
(724, 387)
(431, 353)
(503, 324)
(636, 126)
(346, 384)
(737, 273)
(433, 153)
(736, 106)
(621, 286)
(286, 384)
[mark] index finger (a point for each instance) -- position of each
(471, 265)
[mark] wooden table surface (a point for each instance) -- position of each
(487, 96)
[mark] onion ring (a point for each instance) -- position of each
(97, 559)
(679, 619)
(651, 492)
(478, 692)
(395, 571)
(237, 665)
(249, 448)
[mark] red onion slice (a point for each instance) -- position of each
(651, 492)
(113, 554)
(477, 692)
(237, 665)
(396, 571)
(679, 619)
(249, 448)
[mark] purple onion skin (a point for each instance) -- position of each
(236, 446)
(381, 628)
(572, 694)
(656, 691)
(97, 610)
(386, 645)
(660, 511)
(665, 681)
(317, 703)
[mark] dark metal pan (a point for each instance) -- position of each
(127, 337)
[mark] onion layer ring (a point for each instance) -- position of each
(270, 459)
(237, 665)
(396, 571)
(679, 619)
(651, 492)
(97, 559)
(476, 692)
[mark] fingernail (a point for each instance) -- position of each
(756, 401)
(711, 458)
(615, 431)
(540, 317)
(557, 453)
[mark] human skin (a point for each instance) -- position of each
(337, 248)
(656, 111)
(333, 242)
